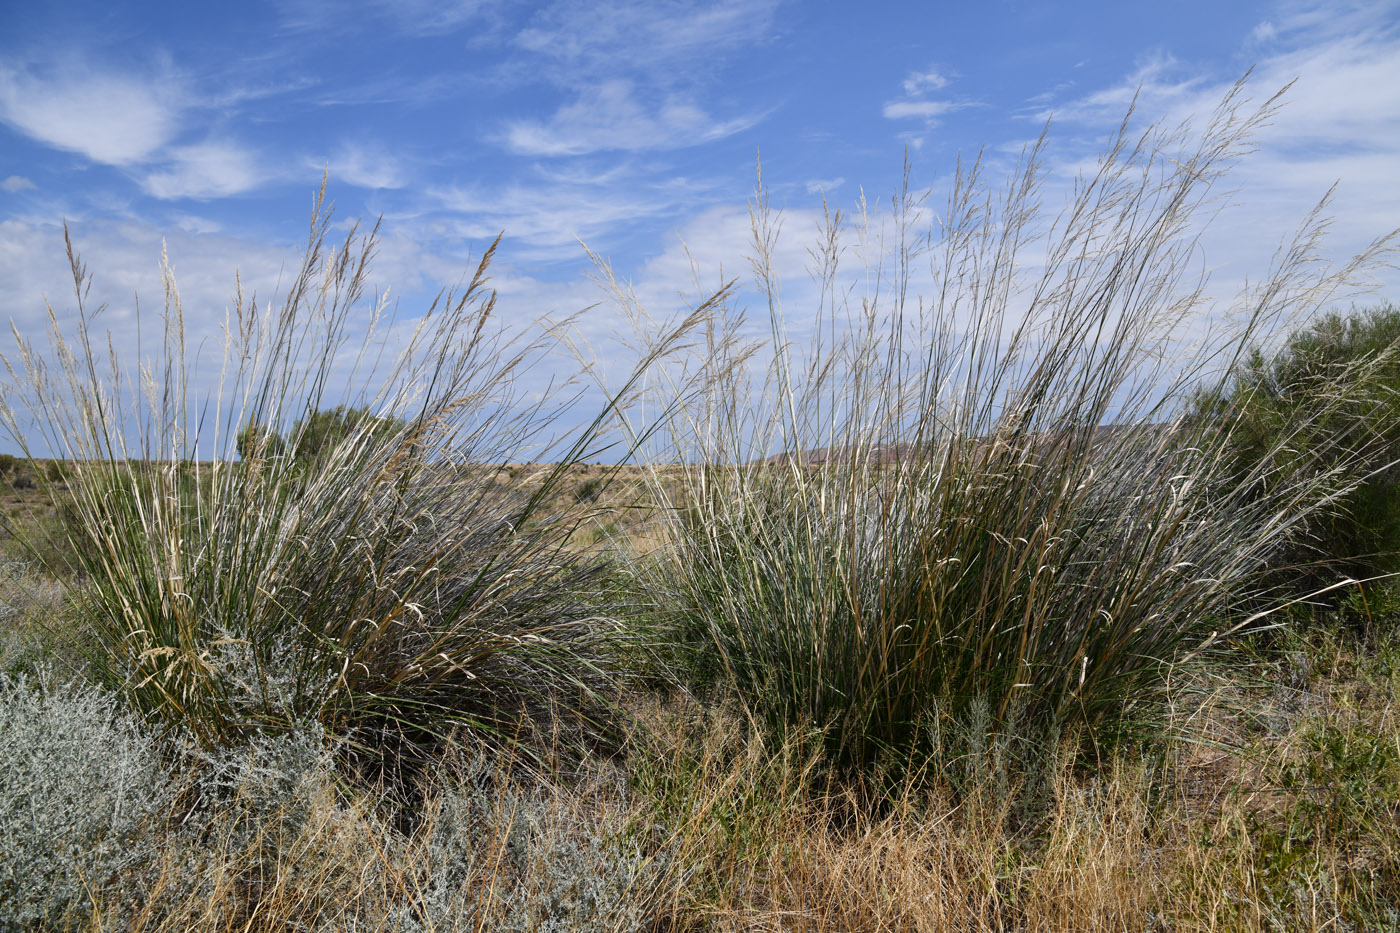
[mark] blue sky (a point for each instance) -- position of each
(630, 126)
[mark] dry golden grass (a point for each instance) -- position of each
(1179, 842)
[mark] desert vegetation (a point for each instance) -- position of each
(975, 597)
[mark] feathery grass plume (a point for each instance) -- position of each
(381, 584)
(972, 491)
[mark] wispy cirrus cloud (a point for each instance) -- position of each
(610, 117)
(211, 169)
(110, 117)
(645, 70)
(431, 17)
(407, 17)
(1337, 124)
(671, 42)
(547, 220)
(17, 183)
(363, 165)
(1342, 103)
(824, 185)
(926, 110)
(1158, 82)
(916, 104)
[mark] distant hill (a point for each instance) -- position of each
(891, 453)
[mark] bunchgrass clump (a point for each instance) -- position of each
(356, 567)
(973, 498)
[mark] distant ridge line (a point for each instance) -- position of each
(891, 453)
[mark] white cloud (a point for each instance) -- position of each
(16, 183)
(124, 259)
(1318, 21)
(430, 17)
(824, 185)
(637, 72)
(410, 17)
(1045, 97)
(363, 166)
(205, 170)
(1338, 123)
(921, 82)
(915, 104)
(111, 118)
(1264, 32)
(1158, 83)
(548, 219)
(609, 117)
(921, 109)
(193, 223)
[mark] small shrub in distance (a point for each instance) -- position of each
(590, 489)
(255, 442)
(322, 430)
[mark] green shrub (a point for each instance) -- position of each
(318, 434)
(1343, 799)
(985, 510)
(321, 431)
(255, 442)
(590, 489)
(1332, 389)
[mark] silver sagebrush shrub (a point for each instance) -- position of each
(81, 789)
(510, 858)
(267, 791)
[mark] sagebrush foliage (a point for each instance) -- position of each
(549, 872)
(83, 800)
